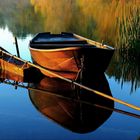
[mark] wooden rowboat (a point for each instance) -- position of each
(10, 67)
(68, 54)
(14, 68)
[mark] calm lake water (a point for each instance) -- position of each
(21, 111)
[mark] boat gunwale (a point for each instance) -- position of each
(67, 49)
(70, 46)
(56, 49)
(95, 43)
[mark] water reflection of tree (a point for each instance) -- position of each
(91, 19)
(126, 60)
(108, 20)
(129, 27)
(19, 17)
(125, 67)
(98, 19)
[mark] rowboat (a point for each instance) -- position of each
(10, 67)
(14, 68)
(69, 54)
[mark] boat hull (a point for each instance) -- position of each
(14, 68)
(62, 61)
(11, 71)
(71, 61)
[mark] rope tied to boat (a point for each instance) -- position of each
(25, 64)
(81, 68)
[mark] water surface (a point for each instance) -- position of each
(19, 117)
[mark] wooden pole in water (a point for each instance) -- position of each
(17, 49)
(75, 83)
(18, 54)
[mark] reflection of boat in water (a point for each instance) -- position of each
(66, 54)
(72, 108)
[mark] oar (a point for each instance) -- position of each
(76, 83)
